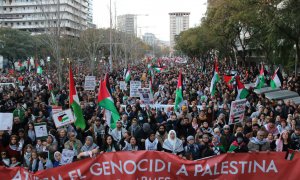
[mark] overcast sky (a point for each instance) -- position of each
(157, 21)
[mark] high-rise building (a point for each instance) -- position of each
(149, 39)
(90, 14)
(179, 21)
(40, 16)
(127, 23)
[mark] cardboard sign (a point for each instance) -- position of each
(145, 96)
(123, 85)
(90, 83)
(41, 131)
(237, 111)
(1, 62)
(6, 121)
(134, 86)
(63, 118)
(56, 109)
(67, 156)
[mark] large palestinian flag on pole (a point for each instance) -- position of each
(74, 102)
(229, 80)
(215, 79)
(260, 81)
(179, 94)
(106, 101)
(277, 79)
(242, 91)
(127, 76)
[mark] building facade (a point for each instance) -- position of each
(44, 16)
(179, 21)
(127, 23)
(90, 16)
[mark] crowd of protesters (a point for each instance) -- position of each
(191, 133)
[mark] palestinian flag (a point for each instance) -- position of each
(290, 154)
(53, 98)
(159, 69)
(151, 87)
(242, 91)
(276, 79)
(179, 94)
(229, 80)
(39, 70)
(74, 102)
(106, 101)
(234, 145)
(221, 148)
(214, 80)
(260, 81)
(127, 76)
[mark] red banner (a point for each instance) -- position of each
(146, 165)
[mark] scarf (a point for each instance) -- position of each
(14, 147)
(27, 156)
(86, 148)
(174, 147)
(151, 145)
(254, 140)
(129, 147)
(31, 135)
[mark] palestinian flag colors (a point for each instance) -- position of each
(290, 154)
(215, 80)
(39, 70)
(127, 76)
(242, 91)
(260, 81)
(151, 87)
(106, 101)
(159, 69)
(234, 145)
(179, 94)
(53, 98)
(276, 80)
(229, 80)
(74, 102)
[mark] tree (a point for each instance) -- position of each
(17, 44)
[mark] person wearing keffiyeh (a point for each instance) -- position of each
(259, 143)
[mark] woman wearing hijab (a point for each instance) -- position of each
(89, 148)
(51, 146)
(57, 158)
(173, 144)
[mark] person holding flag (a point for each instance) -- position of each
(242, 91)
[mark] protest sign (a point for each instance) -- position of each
(237, 111)
(134, 86)
(146, 165)
(1, 62)
(123, 85)
(66, 156)
(63, 118)
(56, 109)
(145, 96)
(6, 121)
(41, 131)
(90, 83)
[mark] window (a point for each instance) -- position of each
(29, 23)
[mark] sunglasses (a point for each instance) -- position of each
(226, 128)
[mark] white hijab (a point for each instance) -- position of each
(172, 141)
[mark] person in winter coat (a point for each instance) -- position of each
(109, 145)
(238, 145)
(161, 134)
(185, 129)
(143, 134)
(73, 144)
(45, 162)
(14, 149)
(283, 143)
(258, 143)
(192, 148)
(152, 143)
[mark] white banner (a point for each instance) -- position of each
(67, 156)
(90, 83)
(6, 121)
(145, 96)
(237, 111)
(63, 118)
(123, 85)
(40, 130)
(134, 86)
